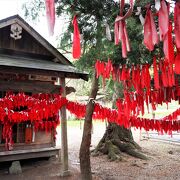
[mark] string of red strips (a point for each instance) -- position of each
(165, 89)
(42, 111)
(151, 37)
(39, 109)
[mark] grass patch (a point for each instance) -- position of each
(75, 123)
(162, 111)
(80, 123)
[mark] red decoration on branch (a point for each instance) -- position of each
(168, 46)
(150, 32)
(139, 76)
(177, 63)
(163, 20)
(42, 112)
(120, 31)
(166, 88)
(177, 24)
(156, 74)
(76, 39)
(50, 13)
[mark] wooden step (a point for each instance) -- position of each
(28, 154)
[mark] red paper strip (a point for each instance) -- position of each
(50, 13)
(163, 19)
(168, 46)
(38, 113)
(177, 24)
(156, 74)
(76, 40)
(120, 31)
(150, 32)
(177, 63)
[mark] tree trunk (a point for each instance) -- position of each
(118, 139)
(85, 165)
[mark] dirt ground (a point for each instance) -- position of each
(163, 163)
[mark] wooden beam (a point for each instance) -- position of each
(7, 23)
(29, 86)
(8, 69)
(17, 135)
(17, 19)
(28, 154)
(43, 42)
(64, 142)
(16, 53)
(0, 133)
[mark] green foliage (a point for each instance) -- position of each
(92, 16)
(34, 9)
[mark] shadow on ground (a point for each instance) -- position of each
(37, 169)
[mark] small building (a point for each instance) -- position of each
(30, 64)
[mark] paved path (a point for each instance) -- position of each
(175, 138)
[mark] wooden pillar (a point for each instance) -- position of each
(64, 144)
(0, 133)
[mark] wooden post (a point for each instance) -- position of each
(17, 136)
(0, 133)
(64, 143)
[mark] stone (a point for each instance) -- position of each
(170, 152)
(15, 168)
(52, 159)
(65, 173)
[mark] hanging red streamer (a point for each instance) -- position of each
(42, 111)
(177, 63)
(138, 77)
(120, 31)
(163, 19)
(150, 32)
(50, 13)
(7, 135)
(168, 46)
(156, 74)
(76, 40)
(177, 24)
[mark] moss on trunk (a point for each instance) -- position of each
(117, 139)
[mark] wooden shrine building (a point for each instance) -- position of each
(29, 63)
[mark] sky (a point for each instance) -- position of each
(9, 7)
(12, 7)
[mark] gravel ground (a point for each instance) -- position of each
(163, 163)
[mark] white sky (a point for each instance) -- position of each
(12, 7)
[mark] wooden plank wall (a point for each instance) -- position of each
(0, 133)
(26, 44)
(42, 140)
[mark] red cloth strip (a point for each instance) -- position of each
(177, 24)
(76, 40)
(50, 13)
(150, 32)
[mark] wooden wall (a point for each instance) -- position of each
(30, 47)
(42, 140)
(26, 44)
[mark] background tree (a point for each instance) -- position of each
(92, 17)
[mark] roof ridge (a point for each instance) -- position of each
(18, 19)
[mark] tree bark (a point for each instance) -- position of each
(85, 165)
(117, 137)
